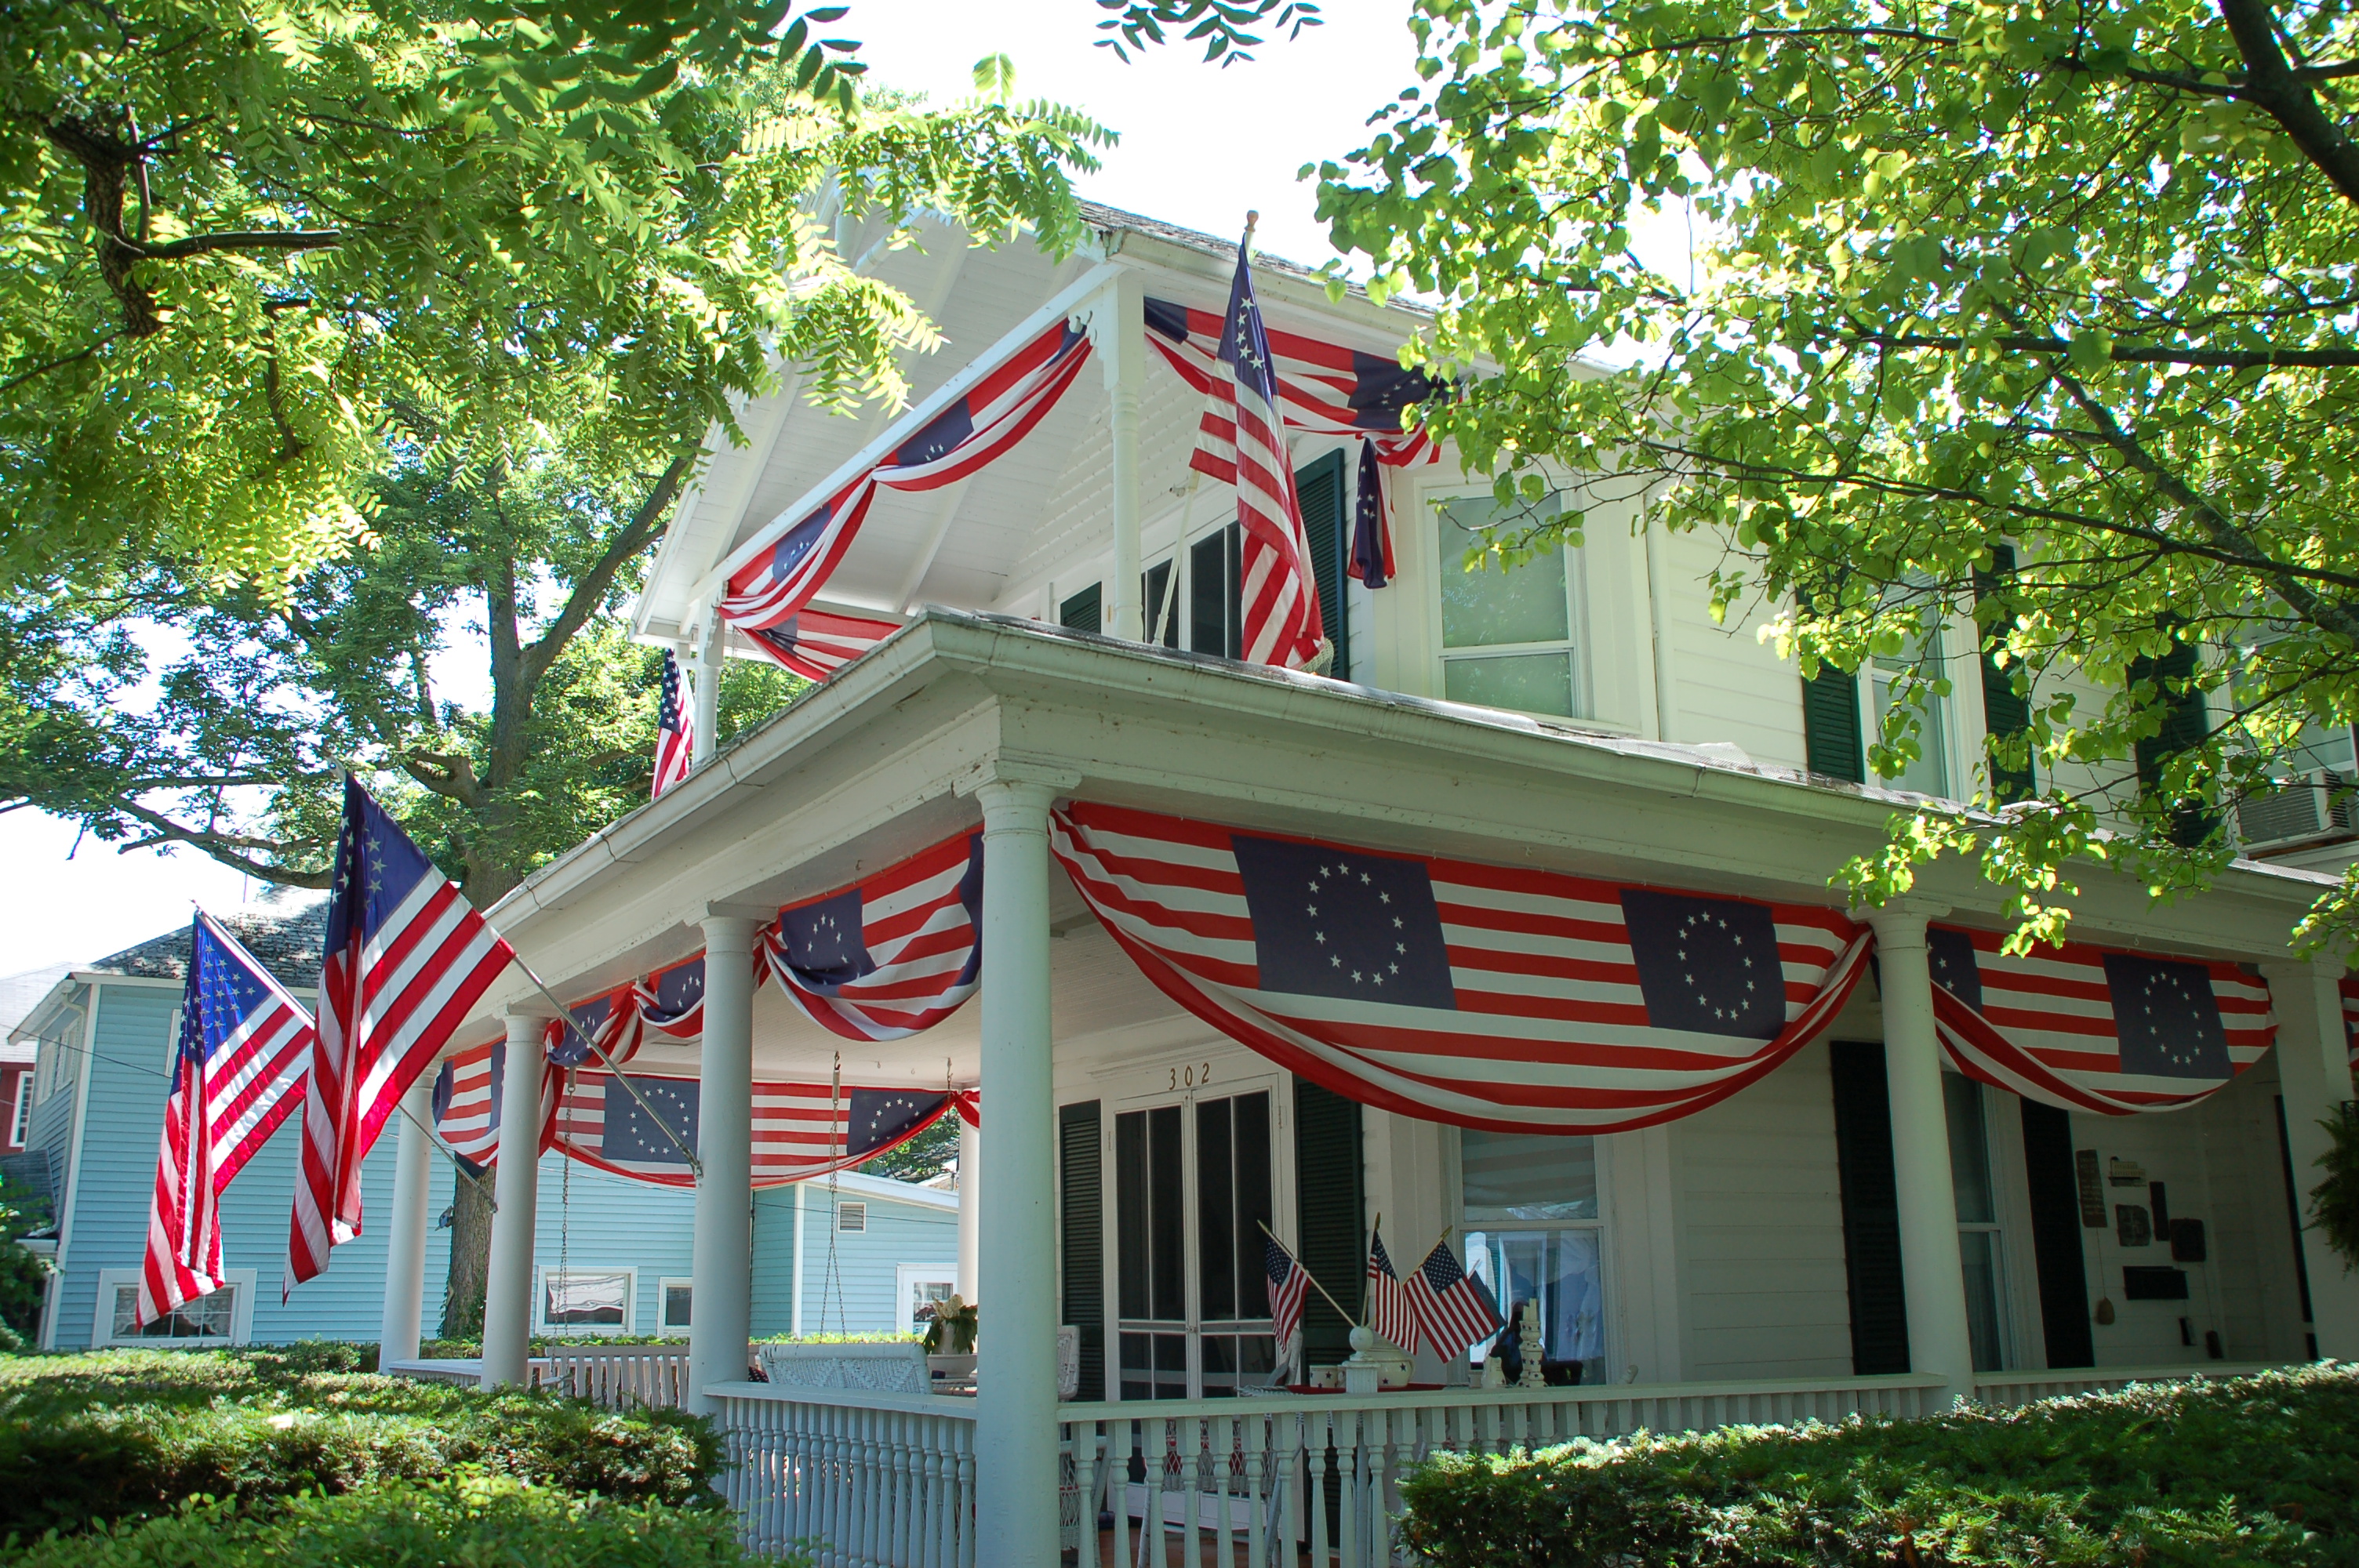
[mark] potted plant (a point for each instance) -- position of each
(949, 1339)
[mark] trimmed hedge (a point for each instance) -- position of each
(2262, 1470)
(473, 1523)
(128, 1434)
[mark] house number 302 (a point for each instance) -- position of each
(1188, 1076)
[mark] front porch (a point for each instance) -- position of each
(1720, 1266)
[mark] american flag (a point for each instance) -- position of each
(815, 643)
(889, 957)
(1454, 1309)
(790, 562)
(1509, 999)
(403, 961)
(1390, 1312)
(1324, 388)
(236, 1075)
(1289, 1283)
(470, 1096)
(675, 731)
(1241, 441)
(2084, 1029)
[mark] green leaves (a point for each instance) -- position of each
(1969, 276)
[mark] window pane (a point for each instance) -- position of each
(1524, 604)
(1216, 1214)
(678, 1300)
(1253, 1204)
(1929, 773)
(1978, 1251)
(2322, 746)
(1970, 1175)
(1527, 683)
(1564, 1270)
(579, 1300)
(1515, 1175)
(1168, 1238)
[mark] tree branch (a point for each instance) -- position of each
(221, 848)
(2216, 359)
(2271, 86)
(590, 592)
(238, 240)
(75, 358)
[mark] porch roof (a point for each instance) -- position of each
(862, 770)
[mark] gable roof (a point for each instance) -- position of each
(285, 939)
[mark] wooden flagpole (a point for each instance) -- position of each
(1307, 1274)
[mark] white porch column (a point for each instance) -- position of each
(1015, 1376)
(2314, 1071)
(1122, 344)
(405, 1252)
(516, 1189)
(1933, 1279)
(707, 708)
(721, 1304)
(970, 1191)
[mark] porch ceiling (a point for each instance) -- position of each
(882, 761)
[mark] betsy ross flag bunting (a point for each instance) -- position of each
(237, 1072)
(1454, 1309)
(1289, 1283)
(2083, 1028)
(1241, 441)
(405, 959)
(1388, 1307)
(675, 731)
(891, 955)
(1503, 998)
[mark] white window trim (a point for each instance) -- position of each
(540, 1277)
(1577, 619)
(906, 1275)
(665, 1285)
(20, 1122)
(102, 1327)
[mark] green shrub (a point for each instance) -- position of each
(2249, 1471)
(541, 1344)
(126, 1433)
(471, 1522)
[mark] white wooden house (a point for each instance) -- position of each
(1862, 1228)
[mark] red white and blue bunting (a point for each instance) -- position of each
(890, 957)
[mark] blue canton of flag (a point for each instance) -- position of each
(677, 990)
(571, 1047)
(632, 1137)
(1950, 957)
(882, 1118)
(1707, 966)
(1372, 538)
(799, 541)
(2166, 1018)
(941, 435)
(1344, 924)
(825, 942)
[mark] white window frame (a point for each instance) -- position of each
(20, 1122)
(665, 1285)
(908, 1276)
(845, 1206)
(1938, 727)
(1576, 613)
(1996, 1228)
(102, 1327)
(540, 1278)
(1608, 1318)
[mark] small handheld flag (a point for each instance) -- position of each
(1289, 1282)
(1454, 1309)
(1388, 1308)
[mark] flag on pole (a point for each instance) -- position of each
(1454, 1309)
(1241, 441)
(1388, 1306)
(1372, 529)
(403, 961)
(236, 1075)
(675, 731)
(1289, 1283)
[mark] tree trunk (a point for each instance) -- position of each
(471, 1260)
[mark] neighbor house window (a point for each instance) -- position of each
(585, 1301)
(1506, 634)
(220, 1318)
(20, 1124)
(676, 1298)
(1535, 1233)
(1978, 1230)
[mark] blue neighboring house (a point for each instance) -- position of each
(612, 1255)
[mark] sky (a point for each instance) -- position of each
(1200, 145)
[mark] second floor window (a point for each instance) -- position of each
(1929, 772)
(1507, 635)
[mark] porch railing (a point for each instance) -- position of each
(2006, 1390)
(871, 1480)
(617, 1377)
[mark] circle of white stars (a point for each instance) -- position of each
(2179, 1003)
(1704, 920)
(1371, 974)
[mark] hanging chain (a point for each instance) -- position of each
(833, 1276)
(564, 1193)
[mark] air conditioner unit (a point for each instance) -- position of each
(2312, 806)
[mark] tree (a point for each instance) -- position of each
(2041, 312)
(245, 236)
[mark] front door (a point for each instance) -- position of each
(1191, 1195)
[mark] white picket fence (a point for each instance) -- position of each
(618, 1377)
(871, 1480)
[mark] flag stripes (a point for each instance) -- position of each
(815, 643)
(1454, 1309)
(675, 731)
(888, 958)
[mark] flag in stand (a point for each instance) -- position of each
(1388, 1306)
(1452, 1308)
(404, 960)
(1241, 441)
(235, 1076)
(675, 731)
(1289, 1282)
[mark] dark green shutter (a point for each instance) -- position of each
(1871, 1210)
(1331, 1202)
(2184, 725)
(1318, 489)
(1081, 1216)
(1830, 725)
(2056, 1235)
(2293, 1214)
(1161, 618)
(1084, 612)
(2006, 711)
